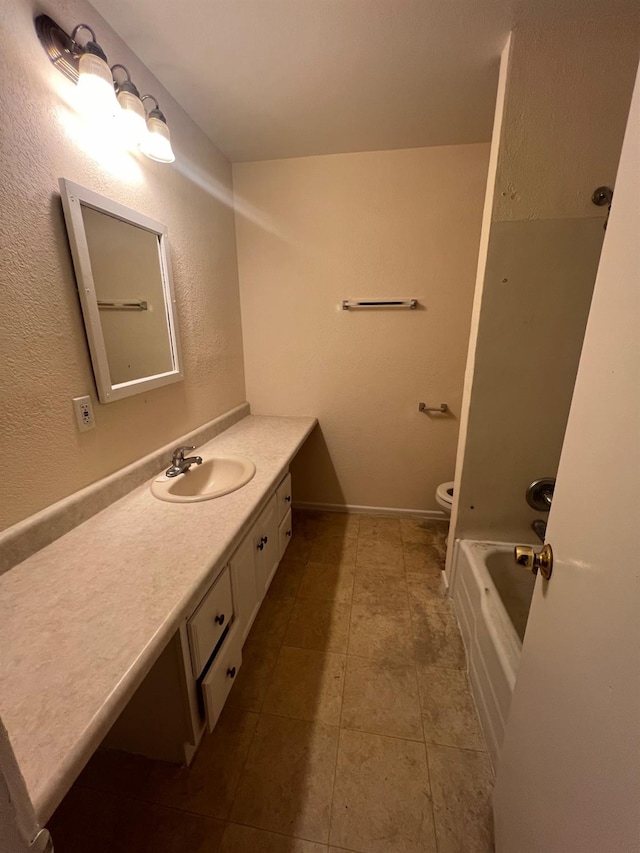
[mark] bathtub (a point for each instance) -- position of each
(491, 596)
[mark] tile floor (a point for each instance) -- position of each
(350, 727)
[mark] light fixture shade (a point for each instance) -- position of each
(131, 118)
(95, 86)
(157, 141)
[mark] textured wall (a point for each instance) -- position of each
(313, 231)
(567, 98)
(43, 351)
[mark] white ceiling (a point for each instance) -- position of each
(289, 78)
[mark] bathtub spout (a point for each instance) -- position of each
(539, 527)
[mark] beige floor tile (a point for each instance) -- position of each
(90, 821)
(299, 548)
(271, 622)
(380, 588)
(422, 558)
(338, 524)
(245, 839)
(461, 782)
(381, 798)
(325, 582)
(437, 640)
(250, 684)
(208, 786)
(380, 527)
(288, 778)
(305, 523)
(381, 633)
(334, 549)
(382, 699)
(319, 625)
(448, 712)
(380, 553)
(307, 685)
(287, 579)
(426, 589)
(423, 531)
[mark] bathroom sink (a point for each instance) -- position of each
(217, 476)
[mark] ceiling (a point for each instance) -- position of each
(268, 79)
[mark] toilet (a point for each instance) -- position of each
(444, 496)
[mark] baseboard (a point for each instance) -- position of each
(434, 514)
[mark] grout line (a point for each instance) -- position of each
(148, 802)
(279, 834)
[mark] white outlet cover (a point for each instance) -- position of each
(84, 413)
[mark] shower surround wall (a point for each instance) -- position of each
(564, 111)
(42, 341)
(313, 231)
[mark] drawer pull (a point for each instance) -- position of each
(289, 532)
(231, 672)
(219, 620)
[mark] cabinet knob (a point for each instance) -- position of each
(289, 532)
(219, 620)
(231, 672)
(287, 498)
(260, 545)
(265, 539)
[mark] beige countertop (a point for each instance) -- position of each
(83, 620)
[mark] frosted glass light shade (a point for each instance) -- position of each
(131, 118)
(157, 141)
(95, 87)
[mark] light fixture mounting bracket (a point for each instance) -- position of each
(61, 49)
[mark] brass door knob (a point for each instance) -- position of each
(525, 555)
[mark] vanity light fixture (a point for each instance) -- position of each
(102, 96)
(157, 142)
(132, 116)
(95, 82)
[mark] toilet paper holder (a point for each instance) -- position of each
(442, 409)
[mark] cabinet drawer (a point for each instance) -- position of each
(285, 531)
(210, 621)
(283, 496)
(219, 680)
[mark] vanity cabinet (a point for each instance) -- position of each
(211, 619)
(186, 690)
(267, 550)
(244, 579)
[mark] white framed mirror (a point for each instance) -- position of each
(121, 262)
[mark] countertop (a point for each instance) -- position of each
(83, 620)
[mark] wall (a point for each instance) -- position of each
(42, 344)
(314, 231)
(560, 138)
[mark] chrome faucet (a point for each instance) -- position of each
(180, 465)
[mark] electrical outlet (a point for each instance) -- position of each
(84, 413)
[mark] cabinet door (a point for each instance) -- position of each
(267, 548)
(246, 597)
(285, 532)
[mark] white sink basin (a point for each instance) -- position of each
(218, 475)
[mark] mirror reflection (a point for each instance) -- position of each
(127, 276)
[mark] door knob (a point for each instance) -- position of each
(524, 555)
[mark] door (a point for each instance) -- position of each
(267, 546)
(246, 600)
(569, 772)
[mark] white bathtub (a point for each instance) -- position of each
(492, 596)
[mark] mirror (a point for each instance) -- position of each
(122, 268)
